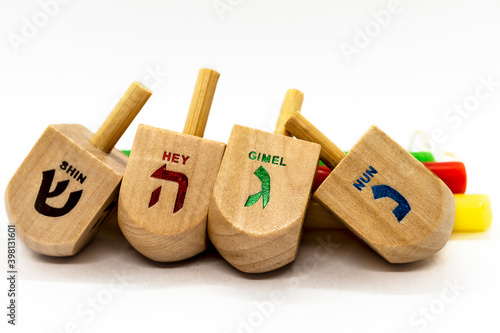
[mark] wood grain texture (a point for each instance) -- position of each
(303, 129)
(156, 231)
(64, 235)
(422, 232)
(121, 117)
(254, 238)
(201, 102)
(291, 104)
(164, 197)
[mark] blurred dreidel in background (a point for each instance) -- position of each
(383, 194)
(69, 182)
(261, 195)
(164, 197)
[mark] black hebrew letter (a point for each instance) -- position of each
(44, 193)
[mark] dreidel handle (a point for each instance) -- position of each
(201, 102)
(302, 129)
(291, 104)
(121, 117)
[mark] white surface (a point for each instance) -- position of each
(430, 56)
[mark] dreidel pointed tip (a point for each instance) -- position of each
(433, 235)
(157, 244)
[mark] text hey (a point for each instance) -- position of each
(175, 158)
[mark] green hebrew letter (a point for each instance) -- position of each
(263, 176)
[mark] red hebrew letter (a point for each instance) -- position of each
(180, 178)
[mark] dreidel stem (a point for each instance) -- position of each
(201, 102)
(302, 129)
(121, 117)
(291, 104)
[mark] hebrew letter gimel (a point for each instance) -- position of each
(265, 179)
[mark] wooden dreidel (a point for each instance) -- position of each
(163, 203)
(261, 195)
(69, 182)
(383, 194)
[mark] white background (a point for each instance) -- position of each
(406, 77)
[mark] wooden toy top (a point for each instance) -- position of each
(68, 183)
(384, 195)
(164, 197)
(62, 189)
